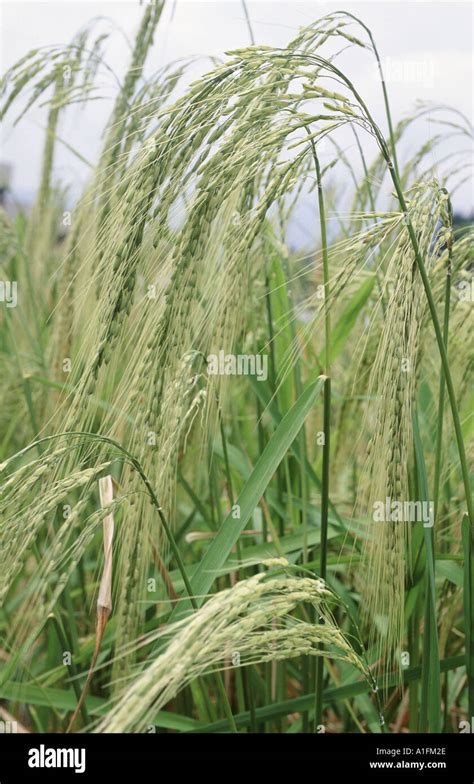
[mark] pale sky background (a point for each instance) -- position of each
(429, 42)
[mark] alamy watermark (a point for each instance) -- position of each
(223, 364)
(8, 727)
(416, 70)
(390, 511)
(466, 290)
(9, 293)
(44, 757)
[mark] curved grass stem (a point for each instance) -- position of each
(319, 668)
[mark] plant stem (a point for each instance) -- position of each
(384, 87)
(439, 435)
(66, 647)
(319, 668)
(249, 24)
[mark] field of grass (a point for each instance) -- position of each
(235, 478)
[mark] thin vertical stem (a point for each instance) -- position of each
(442, 386)
(384, 88)
(67, 647)
(249, 24)
(326, 427)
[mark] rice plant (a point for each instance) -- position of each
(235, 478)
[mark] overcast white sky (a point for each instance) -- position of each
(430, 43)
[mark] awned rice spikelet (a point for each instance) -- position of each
(394, 385)
(251, 619)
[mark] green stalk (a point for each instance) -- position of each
(48, 152)
(323, 544)
(468, 596)
(272, 378)
(249, 25)
(440, 418)
(430, 714)
(441, 397)
(372, 207)
(66, 646)
(243, 678)
(319, 668)
(261, 447)
(413, 686)
(267, 666)
(384, 87)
